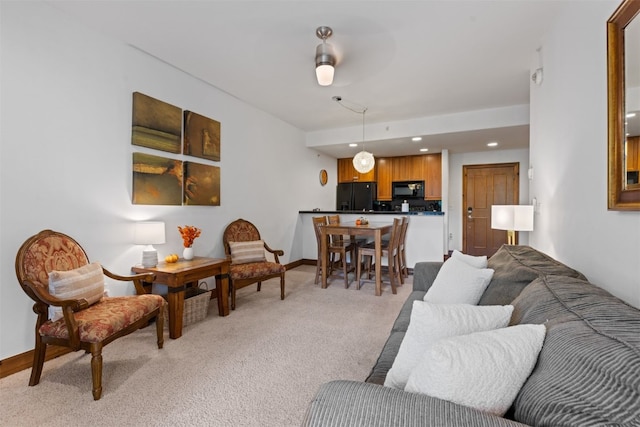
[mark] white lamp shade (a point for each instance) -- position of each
(512, 217)
(324, 74)
(364, 161)
(149, 233)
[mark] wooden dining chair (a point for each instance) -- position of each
(319, 221)
(54, 271)
(341, 246)
(401, 253)
(246, 251)
(367, 253)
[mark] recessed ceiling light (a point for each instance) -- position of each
(424, 149)
(492, 144)
(416, 138)
(353, 144)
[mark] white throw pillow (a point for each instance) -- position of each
(84, 282)
(432, 322)
(458, 283)
(473, 261)
(483, 370)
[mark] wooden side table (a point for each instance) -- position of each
(178, 274)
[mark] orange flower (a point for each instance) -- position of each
(189, 234)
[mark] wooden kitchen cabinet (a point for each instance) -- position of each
(407, 168)
(432, 166)
(427, 168)
(633, 153)
(384, 166)
(347, 173)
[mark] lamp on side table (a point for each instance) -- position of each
(149, 233)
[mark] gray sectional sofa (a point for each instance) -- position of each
(587, 374)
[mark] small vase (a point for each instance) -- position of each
(187, 253)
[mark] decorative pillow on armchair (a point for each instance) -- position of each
(245, 252)
(84, 282)
(458, 283)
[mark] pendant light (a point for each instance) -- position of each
(363, 161)
(325, 57)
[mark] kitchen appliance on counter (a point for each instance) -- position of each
(356, 196)
(418, 206)
(407, 190)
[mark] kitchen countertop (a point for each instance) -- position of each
(373, 212)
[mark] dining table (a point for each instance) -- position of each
(371, 229)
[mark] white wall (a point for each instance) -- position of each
(569, 155)
(455, 208)
(65, 156)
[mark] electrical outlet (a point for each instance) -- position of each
(450, 236)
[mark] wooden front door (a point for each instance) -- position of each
(483, 186)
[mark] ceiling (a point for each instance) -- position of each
(403, 60)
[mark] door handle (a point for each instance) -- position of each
(469, 212)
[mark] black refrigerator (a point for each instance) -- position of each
(356, 196)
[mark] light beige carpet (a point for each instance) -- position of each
(259, 366)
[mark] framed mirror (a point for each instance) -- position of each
(623, 74)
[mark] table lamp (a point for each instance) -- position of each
(149, 233)
(512, 218)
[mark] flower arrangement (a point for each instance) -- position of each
(189, 234)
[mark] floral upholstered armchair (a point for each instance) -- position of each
(54, 271)
(246, 250)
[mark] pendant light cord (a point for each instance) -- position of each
(362, 110)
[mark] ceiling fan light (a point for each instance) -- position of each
(325, 60)
(325, 57)
(324, 74)
(364, 161)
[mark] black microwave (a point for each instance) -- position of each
(407, 189)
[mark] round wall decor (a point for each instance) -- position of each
(324, 177)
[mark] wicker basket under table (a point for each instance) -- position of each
(196, 306)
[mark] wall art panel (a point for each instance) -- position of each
(156, 124)
(201, 184)
(201, 136)
(156, 180)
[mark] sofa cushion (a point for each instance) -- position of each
(588, 371)
(424, 273)
(356, 404)
(517, 266)
(385, 359)
(432, 322)
(402, 321)
(483, 370)
(458, 283)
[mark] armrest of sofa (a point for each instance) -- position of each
(352, 403)
(424, 273)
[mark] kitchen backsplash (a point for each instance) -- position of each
(414, 205)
